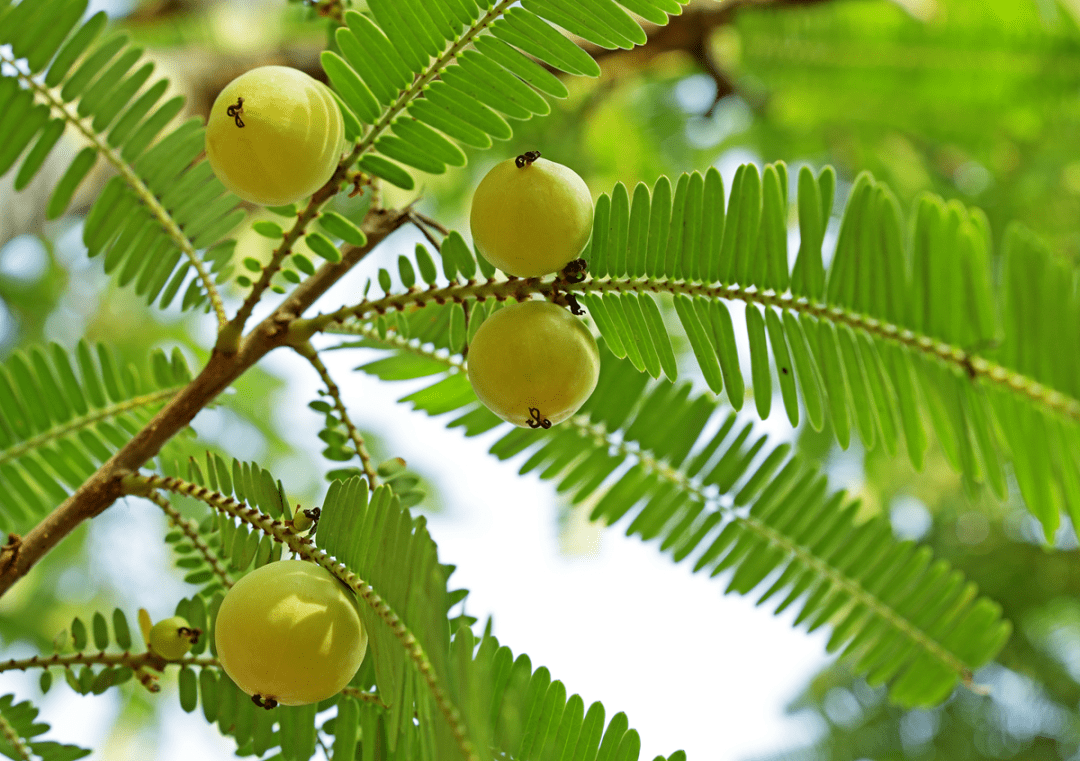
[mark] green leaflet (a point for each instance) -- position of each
(808, 274)
(350, 86)
(450, 123)
(531, 714)
(637, 319)
(698, 335)
(525, 30)
(741, 227)
(523, 67)
(69, 183)
(873, 331)
(430, 141)
(403, 367)
(784, 367)
(18, 126)
(387, 170)
(759, 361)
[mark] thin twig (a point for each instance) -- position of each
(191, 531)
(364, 696)
(434, 224)
(229, 337)
(423, 228)
(126, 658)
(308, 352)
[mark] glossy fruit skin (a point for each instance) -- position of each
(533, 355)
(533, 220)
(290, 632)
(172, 638)
(291, 141)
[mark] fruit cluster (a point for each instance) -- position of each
(275, 136)
(532, 363)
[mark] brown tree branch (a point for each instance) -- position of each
(20, 554)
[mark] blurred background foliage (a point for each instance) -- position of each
(975, 100)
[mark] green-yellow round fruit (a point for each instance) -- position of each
(531, 220)
(290, 633)
(274, 135)
(533, 364)
(172, 638)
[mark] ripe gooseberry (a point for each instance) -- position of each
(289, 632)
(533, 364)
(172, 638)
(531, 216)
(274, 135)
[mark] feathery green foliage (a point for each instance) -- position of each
(376, 538)
(686, 483)
(907, 324)
(911, 324)
(380, 71)
(385, 546)
(533, 718)
(155, 216)
(58, 424)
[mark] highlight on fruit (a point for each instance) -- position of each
(530, 217)
(289, 633)
(533, 364)
(274, 135)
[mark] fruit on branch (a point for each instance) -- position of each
(172, 638)
(289, 632)
(274, 135)
(305, 519)
(533, 364)
(531, 216)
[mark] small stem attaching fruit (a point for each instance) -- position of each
(235, 110)
(574, 272)
(261, 702)
(536, 420)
